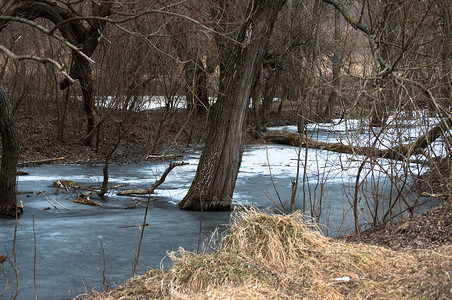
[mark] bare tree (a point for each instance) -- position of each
(219, 164)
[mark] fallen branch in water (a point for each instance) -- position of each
(53, 200)
(163, 157)
(86, 202)
(128, 226)
(155, 185)
(398, 152)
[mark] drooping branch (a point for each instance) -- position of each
(357, 24)
(156, 184)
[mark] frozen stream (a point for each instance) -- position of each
(69, 257)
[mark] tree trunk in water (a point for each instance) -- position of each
(218, 167)
(10, 146)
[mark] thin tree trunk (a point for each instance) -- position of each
(195, 72)
(86, 82)
(328, 113)
(219, 164)
(10, 155)
(256, 98)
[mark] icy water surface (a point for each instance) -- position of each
(69, 258)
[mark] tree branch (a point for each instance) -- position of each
(47, 32)
(38, 59)
(155, 185)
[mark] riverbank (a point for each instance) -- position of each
(267, 256)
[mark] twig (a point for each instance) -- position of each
(104, 278)
(48, 200)
(6, 279)
(16, 269)
(200, 223)
(3, 258)
(137, 254)
(280, 205)
(34, 260)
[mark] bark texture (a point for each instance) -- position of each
(214, 182)
(10, 155)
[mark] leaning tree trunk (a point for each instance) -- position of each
(219, 164)
(10, 155)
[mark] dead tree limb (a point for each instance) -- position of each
(399, 152)
(40, 161)
(155, 185)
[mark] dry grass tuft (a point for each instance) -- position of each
(267, 256)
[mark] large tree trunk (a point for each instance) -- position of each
(10, 155)
(214, 182)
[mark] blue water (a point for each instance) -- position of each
(69, 258)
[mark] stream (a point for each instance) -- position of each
(80, 248)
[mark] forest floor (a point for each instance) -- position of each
(432, 231)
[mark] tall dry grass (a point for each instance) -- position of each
(268, 256)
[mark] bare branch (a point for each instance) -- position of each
(156, 184)
(47, 32)
(38, 59)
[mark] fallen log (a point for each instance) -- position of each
(399, 152)
(163, 157)
(86, 202)
(128, 226)
(40, 161)
(155, 185)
